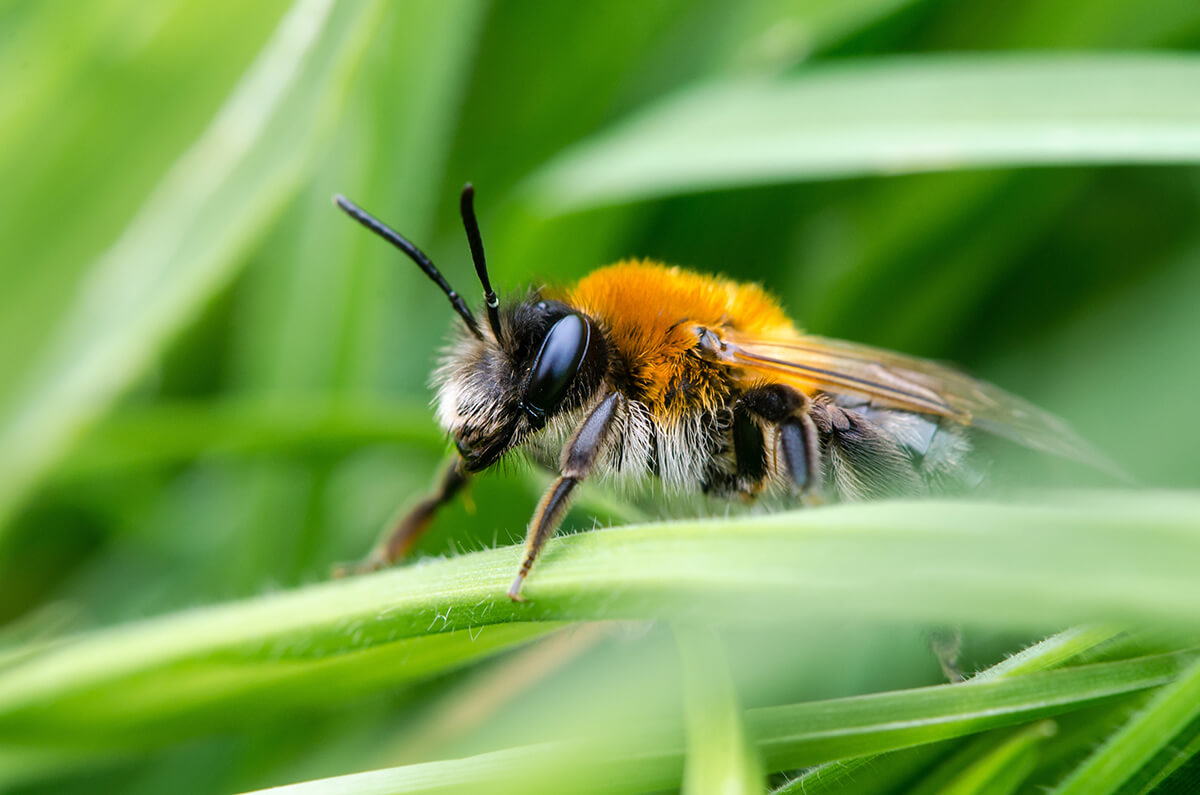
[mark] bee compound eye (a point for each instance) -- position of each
(557, 362)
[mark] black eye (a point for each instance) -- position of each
(557, 362)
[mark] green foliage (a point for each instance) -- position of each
(890, 116)
(213, 387)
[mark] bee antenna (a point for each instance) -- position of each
(467, 206)
(415, 254)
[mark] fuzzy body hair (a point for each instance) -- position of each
(644, 373)
(674, 424)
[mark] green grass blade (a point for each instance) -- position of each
(185, 241)
(1146, 734)
(889, 117)
(1164, 766)
(850, 774)
(927, 562)
(528, 770)
(719, 759)
(995, 766)
(168, 433)
(801, 734)
(788, 736)
(1049, 653)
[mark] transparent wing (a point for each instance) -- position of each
(906, 382)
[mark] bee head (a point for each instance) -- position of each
(491, 395)
(497, 386)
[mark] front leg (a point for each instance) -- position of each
(579, 456)
(405, 534)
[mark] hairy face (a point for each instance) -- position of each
(477, 401)
(488, 393)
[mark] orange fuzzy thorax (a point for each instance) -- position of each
(651, 312)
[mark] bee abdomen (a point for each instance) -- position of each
(873, 451)
(860, 458)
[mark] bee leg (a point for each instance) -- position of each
(579, 457)
(749, 453)
(799, 441)
(400, 541)
(946, 643)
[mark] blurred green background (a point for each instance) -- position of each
(213, 385)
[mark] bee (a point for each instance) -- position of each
(642, 371)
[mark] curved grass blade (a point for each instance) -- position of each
(889, 116)
(851, 774)
(788, 736)
(1162, 775)
(186, 240)
(719, 757)
(810, 733)
(1146, 734)
(167, 433)
(926, 562)
(996, 765)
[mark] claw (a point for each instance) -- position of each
(350, 569)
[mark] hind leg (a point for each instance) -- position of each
(946, 644)
(799, 443)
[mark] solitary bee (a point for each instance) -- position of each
(641, 371)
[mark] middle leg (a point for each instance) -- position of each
(799, 442)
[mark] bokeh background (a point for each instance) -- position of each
(212, 385)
